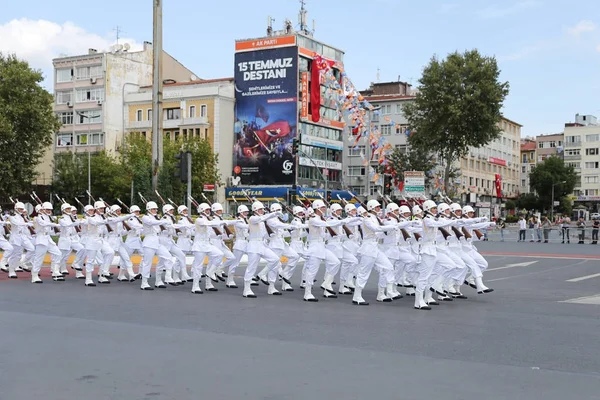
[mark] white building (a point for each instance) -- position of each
(582, 151)
(89, 91)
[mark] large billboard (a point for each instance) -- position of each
(266, 116)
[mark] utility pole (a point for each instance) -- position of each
(157, 48)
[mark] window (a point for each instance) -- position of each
(64, 75)
(356, 171)
(573, 152)
(66, 118)
(403, 149)
(64, 97)
(95, 139)
(592, 138)
(572, 139)
(523, 168)
(357, 190)
(591, 192)
(149, 114)
(385, 130)
(89, 95)
(94, 71)
(64, 139)
(591, 165)
(88, 117)
(172, 113)
(192, 113)
(591, 179)
(401, 129)
(204, 110)
(573, 164)
(356, 151)
(398, 108)
(591, 152)
(523, 183)
(138, 115)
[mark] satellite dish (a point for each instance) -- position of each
(193, 77)
(126, 46)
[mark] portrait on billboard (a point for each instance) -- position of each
(266, 116)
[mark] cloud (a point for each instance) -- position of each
(582, 26)
(39, 41)
(500, 11)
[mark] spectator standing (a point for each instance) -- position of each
(546, 226)
(522, 228)
(565, 228)
(581, 227)
(501, 226)
(595, 228)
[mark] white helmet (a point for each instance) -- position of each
(242, 209)
(404, 210)
(349, 207)
(216, 207)
(391, 208)
(318, 204)
(47, 205)
(203, 207)
(257, 205)
(151, 205)
(181, 209)
(19, 206)
(454, 207)
(335, 207)
(99, 204)
(308, 211)
(468, 209)
(276, 207)
(417, 210)
(361, 210)
(297, 210)
(65, 206)
(88, 208)
(166, 208)
(115, 208)
(38, 208)
(429, 204)
(442, 207)
(372, 204)
(134, 209)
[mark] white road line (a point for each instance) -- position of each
(595, 300)
(583, 278)
(574, 257)
(538, 272)
(525, 264)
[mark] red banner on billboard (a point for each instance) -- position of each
(304, 88)
(498, 186)
(497, 161)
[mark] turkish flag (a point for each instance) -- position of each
(318, 64)
(274, 131)
(498, 186)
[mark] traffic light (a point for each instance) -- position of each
(329, 196)
(387, 185)
(181, 167)
(294, 146)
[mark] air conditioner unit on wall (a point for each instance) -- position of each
(93, 81)
(69, 104)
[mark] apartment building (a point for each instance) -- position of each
(549, 145)
(200, 108)
(582, 151)
(528, 160)
(89, 93)
(390, 98)
(479, 169)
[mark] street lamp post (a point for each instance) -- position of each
(552, 205)
(89, 118)
(369, 151)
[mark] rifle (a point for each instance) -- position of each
(329, 229)
(125, 224)
(251, 200)
(347, 230)
(77, 227)
(227, 230)
(34, 196)
(208, 217)
(172, 203)
(124, 205)
(164, 203)
(108, 227)
(90, 195)
(24, 216)
(405, 233)
(142, 198)
(415, 234)
(365, 207)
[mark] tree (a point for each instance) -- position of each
(457, 107)
(27, 123)
(413, 160)
(70, 175)
(552, 172)
(510, 205)
(528, 202)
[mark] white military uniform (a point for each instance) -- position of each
(69, 240)
(151, 245)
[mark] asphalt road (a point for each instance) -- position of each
(535, 337)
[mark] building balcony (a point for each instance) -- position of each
(139, 124)
(195, 121)
(572, 158)
(572, 144)
(171, 123)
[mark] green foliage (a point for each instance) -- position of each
(27, 123)
(112, 175)
(458, 106)
(413, 160)
(551, 172)
(510, 205)
(528, 202)
(511, 219)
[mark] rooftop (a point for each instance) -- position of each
(529, 146)
(196, 82)
(388, 97)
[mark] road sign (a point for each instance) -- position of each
(209, 188)
(414, 183)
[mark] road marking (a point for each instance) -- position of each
(595, 300)
(542, 255)
(583, 278)
(523, 264)
(538, 272)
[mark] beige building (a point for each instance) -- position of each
(582, 151)
(478, 170)
(528, 149)
(89, 98)
(201, 108)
